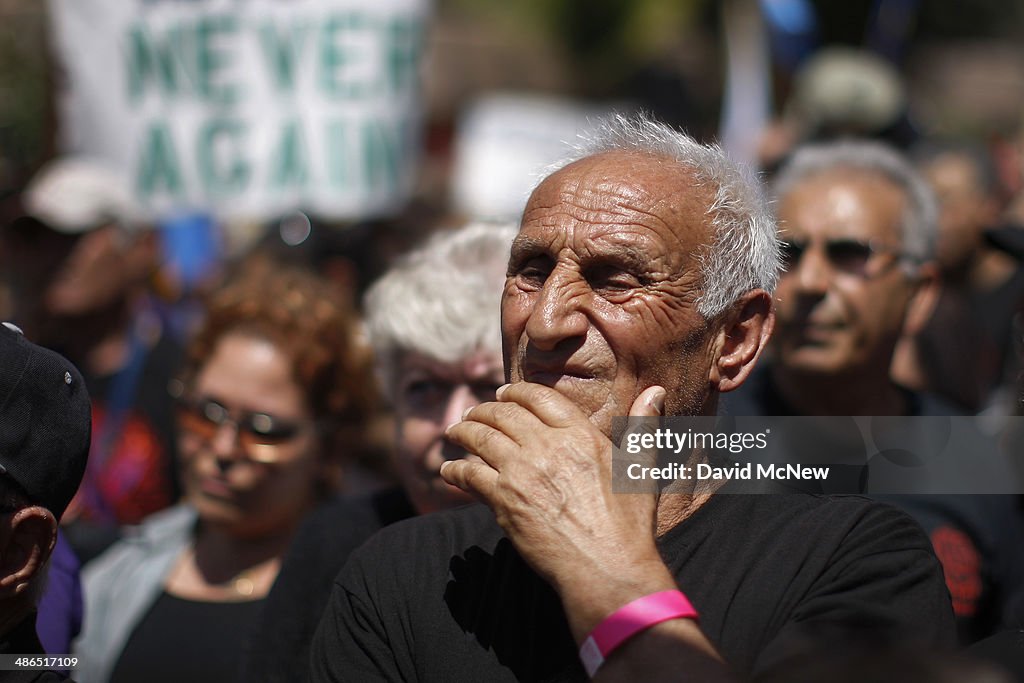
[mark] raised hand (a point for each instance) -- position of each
(545, 470)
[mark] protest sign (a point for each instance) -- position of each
(247, 108)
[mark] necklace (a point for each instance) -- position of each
(242, 584)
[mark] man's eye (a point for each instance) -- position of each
(612, 280)
(620, 283)
(848, 253)
(533, 274)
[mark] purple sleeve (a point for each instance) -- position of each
(60, 609)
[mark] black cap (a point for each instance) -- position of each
(45, 421)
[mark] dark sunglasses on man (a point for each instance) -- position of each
(845, 255)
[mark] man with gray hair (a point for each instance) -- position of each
(858, 235)
(639, 284)
(859, 227)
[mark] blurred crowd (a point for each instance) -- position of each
(266, 394)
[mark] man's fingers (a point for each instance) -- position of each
(511, 419)
(483, 440)
(551, 407)
(473, 477)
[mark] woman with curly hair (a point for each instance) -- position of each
(273, 383)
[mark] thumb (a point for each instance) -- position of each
(638, 442)
(650, 403)
(636, 439)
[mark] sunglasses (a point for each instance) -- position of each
(204, 417)
(849, 256)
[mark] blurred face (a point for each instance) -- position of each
(844, 295)
(965, 209)
(92, 276)
(429, 396)
(248, 441)
(72, 275)
(599, 302)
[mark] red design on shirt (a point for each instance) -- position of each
(961, 565)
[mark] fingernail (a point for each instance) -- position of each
(501, 390)
(657, 401)
(466, 412)
(443, 465)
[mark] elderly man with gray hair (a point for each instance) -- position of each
(859, 228)
(639, 284)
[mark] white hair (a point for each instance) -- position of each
(744, 253)
(921, 216)
(442, 300)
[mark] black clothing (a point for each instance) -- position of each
(187, 640)
(978, 540)
(447, 598)
(759, 395)
(22, 640)
(975, 325)
(1005, 649)
(976, 537)
(280, 649)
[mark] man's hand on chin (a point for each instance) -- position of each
(546, 471)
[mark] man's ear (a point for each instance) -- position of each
(742, 337)
(27, 538)
(923, 300)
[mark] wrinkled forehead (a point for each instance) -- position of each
(623, 191)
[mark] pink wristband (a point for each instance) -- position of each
(630, 619)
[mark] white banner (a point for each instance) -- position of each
(247, 108)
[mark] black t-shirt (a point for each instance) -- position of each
(447, 598)
(22, 640)
(279, 651)
(976, 537)
(1005, 649)
(978, 540)
(187, 640)
(759, 395)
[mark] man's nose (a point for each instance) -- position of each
(558, 314)
(813, 272)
